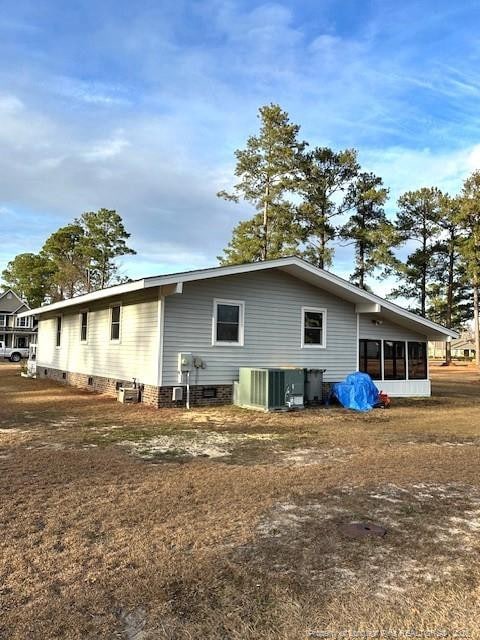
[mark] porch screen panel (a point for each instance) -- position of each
(394, 361)
(371, 358)
(417, 360)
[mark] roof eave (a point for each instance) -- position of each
(433, 329)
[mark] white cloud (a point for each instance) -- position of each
(95, 93)
(107, 149)
(409, 169)
(10, 104)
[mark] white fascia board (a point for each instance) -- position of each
(86, 298)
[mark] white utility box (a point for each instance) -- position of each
(128, 395)
(177, 394)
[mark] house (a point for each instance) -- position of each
(277, 313)
(463, 348)
(16, 332)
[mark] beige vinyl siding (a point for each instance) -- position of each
(273, 320)
(386, 331)
(134, 356)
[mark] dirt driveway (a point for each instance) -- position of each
(129, 522)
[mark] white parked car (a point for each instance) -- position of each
(12, 354)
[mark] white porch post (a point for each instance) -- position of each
(406, 360)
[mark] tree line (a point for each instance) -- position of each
(307, 200)
(77, 258)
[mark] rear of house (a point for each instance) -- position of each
(281, 313)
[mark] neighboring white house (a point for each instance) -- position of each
(278, 313)
(15, 332)
(463, 348)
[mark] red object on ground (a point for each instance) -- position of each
(384, 399)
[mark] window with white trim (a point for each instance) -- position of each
(115, 317)
(83, 326)
(314, 327)
(228, 322)
(59, 331)
(3, 320)
(22, 322)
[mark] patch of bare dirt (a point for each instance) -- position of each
(312, 455)
(432, 537)
(198, 443)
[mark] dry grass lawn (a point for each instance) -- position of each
(128, 522)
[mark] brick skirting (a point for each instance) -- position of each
(150, 395)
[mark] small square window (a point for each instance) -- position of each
(209, 392)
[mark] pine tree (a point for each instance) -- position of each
(449, 292)
(77, 258)
(325, 177)
(267, 169)
(468, 219)
(418, 220)
(64, 249)
(367, 228)
(104, 240)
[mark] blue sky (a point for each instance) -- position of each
(139, 106)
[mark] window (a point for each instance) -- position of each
(394, 360)
(417, 360)
(228, 320)
(115, 312)
(23, 322)
(59, 330)
(2, 320)
(83, 326)
(314, 323)
(370, 358)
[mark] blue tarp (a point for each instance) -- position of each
(356, 392)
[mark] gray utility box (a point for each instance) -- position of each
(314, 386)
(270, 389)
(128, 395)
